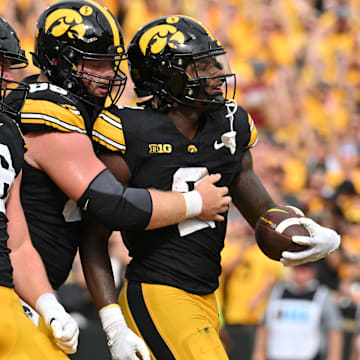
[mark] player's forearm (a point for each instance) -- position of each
(100, 282)
(121, 208)
(168, 208)
(249, 194)
(29, 275)
(96, 264)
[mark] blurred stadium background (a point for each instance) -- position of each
(298, 73)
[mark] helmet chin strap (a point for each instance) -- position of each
(229, 138)
(218, 97)
(94, 100)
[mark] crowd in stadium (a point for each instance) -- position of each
(297, 66)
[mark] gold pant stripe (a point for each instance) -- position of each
(133, 305)
(187, 324)
(127, 313)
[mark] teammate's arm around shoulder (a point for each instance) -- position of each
(69, 160)
(30, 278)
(168, 208)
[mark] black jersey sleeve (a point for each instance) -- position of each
(247, 135)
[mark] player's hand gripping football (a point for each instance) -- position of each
(321, 242)
(122, 342)
(62, 326)
(214, 199)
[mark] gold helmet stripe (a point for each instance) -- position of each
(110, 19)
(202, 25)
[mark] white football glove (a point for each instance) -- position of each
(322, 241)
(63, 327)
(122, 342)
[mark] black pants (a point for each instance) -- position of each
(241, 341)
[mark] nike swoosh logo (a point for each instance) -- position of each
(217, 145)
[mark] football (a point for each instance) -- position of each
(274, 229)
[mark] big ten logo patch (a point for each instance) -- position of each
(160, 149)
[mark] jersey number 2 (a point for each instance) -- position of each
(184, 180)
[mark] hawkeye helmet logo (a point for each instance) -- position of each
(158, 37)
(68, 21)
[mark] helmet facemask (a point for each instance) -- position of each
(77, 78)
(203, 81)
(15, 61)
(210, 82)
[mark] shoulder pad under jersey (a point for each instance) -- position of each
(108, 129)
(49, 107)
(245, 127)
(253, 133)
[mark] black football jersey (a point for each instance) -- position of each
(53, 219)
(186, 255)
(12, 148)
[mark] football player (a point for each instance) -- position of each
(79, 49)
(191, 127)
(20, 264)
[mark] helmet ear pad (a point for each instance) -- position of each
(66, 64)
(64, 67)
(174, 78)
